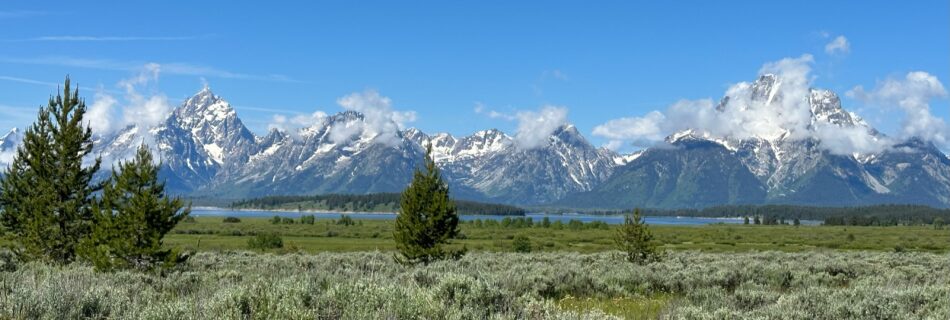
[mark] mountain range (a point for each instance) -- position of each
(206, 151)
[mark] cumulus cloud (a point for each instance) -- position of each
(535, 127)
(101, 112)
(141, 105)
(295, 124)
(748, 112)
(144, 110)
(912, 94)
(777, 108)
(380, 122)
(838, 45)
(641, 131)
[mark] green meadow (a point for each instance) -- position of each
(211, 233)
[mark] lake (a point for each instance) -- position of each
(613, 219)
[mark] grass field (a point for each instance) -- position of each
(331, 271)
(210, 233)
(490, 285)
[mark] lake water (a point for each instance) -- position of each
(687, 221)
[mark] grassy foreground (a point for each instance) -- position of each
(208, 233)
(487, 285)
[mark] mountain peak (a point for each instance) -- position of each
(347, 116)
(766, 87)
(826, 107)
(204, 107)
(10, 140)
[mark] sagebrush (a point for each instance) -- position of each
(370, 285)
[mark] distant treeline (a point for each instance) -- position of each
(364, 202)
(877, 215)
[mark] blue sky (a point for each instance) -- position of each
(442, 59)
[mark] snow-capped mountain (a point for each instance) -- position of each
(206, 151)
(197, 140)
(8, 145)
(787, 165)
(322, 159)
(493, 165)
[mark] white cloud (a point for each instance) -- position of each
(380, 122)
(640, 131)
(44, 83)
(750, 112)
(100, 114)
(849, 140)
(535, 127)
(295, 124)
(912, 94)
(110, 38)
(838, 45)
(176, 68)
(141, 109)
(481, 108)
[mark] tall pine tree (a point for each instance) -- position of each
(132, 217)
(427, 218)
(46, 193)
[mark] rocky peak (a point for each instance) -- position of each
(204, 107)
(483, 141)
(10, 140)
(568, 133)
(766, 87)
(274, 135)
(346, 116)
(826, 107)
(415, 135)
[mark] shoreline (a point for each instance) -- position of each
(207, 208)
(213, 208)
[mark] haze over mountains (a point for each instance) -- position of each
(773, 140)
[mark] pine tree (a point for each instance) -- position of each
(46, 193)
(634, 239)
(427, 218)
(132, 217)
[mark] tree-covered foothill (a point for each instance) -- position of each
(365, 203)
(875, 215)
(52, 210)
(427, 220)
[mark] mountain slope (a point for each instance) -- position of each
(690, 173)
